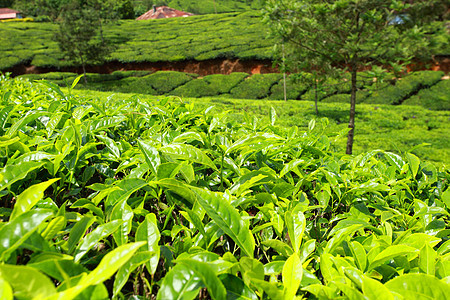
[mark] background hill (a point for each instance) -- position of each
(198, 38)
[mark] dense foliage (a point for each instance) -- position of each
(113, 198)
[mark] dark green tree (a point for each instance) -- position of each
(6, 3)
(325, 35)
(79, 35)
(106, 9)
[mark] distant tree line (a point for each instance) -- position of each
(50, 10)
(47, 10)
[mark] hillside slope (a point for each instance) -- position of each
(199, 38)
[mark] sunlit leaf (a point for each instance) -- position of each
(26, 282)
(28, 198)
(292, 276)
(14, 233)
(92, 239)
(419, 286)
(227, 218)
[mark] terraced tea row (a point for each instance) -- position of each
(425, 88)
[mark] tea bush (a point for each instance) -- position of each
(255, 87)
(268, 86)
(164, 81)
(210, 85)
(434, 98)
(405, 87)
(294, 89)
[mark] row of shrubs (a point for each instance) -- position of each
(424, 88)
(204, 37)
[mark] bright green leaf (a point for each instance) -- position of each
(292, 276)
(28, 198)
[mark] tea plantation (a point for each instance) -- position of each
(203, 37)
(135, 196)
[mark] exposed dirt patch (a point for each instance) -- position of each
(202, 68)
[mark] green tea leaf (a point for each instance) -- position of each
(13, 173)
(78, 231)
(389, 253)
(359, 254)
(252, 140)
(26, 282)
(53, 227)
(179, 283)
(109, 264)
(6, 292)
(151, 155)
(350, 292)
(295, 223)
(9, 142)
(14, 233)
(76, 80)
(178, 188)
(188, 152)
(271, 289)
(279, 246)
(273, 115)
(53, 123)
(24, 121)
(292, 276)
(105, 123)
(92, 239)
(375, 290)
(207, 276)
(125, 271)
(149, 233)
(110, 144)
(419, 286)
(127, 187)
(236, 288)
(427, 260)
(414, 163)
(58, 267)
(251, 269)
(292, 165)
(28, 198)
(227, 218)
(122, 211)
(321, 291)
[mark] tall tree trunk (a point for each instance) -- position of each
(316, 94)
(83, 65)
(101, 31)
(351, 123)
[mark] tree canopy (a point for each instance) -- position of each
(323, 35)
